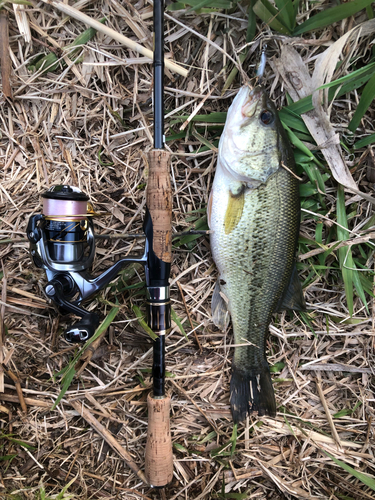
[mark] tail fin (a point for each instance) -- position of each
(251, 391)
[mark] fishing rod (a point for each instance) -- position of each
(158, 231)
(62, 242)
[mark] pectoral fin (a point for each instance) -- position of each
(219, 309)
(293, 298)
(234, 211)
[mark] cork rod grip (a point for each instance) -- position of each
(159, 458)
(159, 202)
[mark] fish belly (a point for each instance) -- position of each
(255, 260)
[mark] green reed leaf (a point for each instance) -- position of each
(369, 481)
(178, 322)
(364, 142)
(143, 323)
(345, 256)
(269, 15)
(69, 371)
(286, 13)
(367, 97)
(329, 16)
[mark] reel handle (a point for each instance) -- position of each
(57, 289)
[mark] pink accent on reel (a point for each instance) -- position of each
(64, 208)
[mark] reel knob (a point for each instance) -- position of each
(82, 330)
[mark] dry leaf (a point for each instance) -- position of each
(325, 65)
(118, 214)
(21, 160)
(299, 84)
(22, 22)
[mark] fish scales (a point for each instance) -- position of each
(254, 213)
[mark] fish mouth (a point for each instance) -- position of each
(249, 107)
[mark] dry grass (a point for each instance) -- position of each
(51, 133)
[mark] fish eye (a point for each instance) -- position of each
(266, 117)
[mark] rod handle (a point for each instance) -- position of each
(159, 458)
(159, 202)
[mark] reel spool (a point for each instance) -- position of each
(62, 242)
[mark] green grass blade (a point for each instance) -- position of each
(68, 377)
(295, 6)
(208, 3)
(176, 319)
(233, 73)
(215, 117)
(364, 142)
(210, 436)
(85, 36)
(203, 140)
(307, 190)
(367, 97)
(347, 264)
(351, 76)
(142, 322)
(69, 371)
(369, 481)
(344, 253)
(250, 34)
(293, 121)
(347, 411)
(304, 105)
(269, 15)
(7, 457)
(287, 14)
(50, 62)
(252, 26)
(199, 225)
(333, 15)
(217, 4)
(299, 144)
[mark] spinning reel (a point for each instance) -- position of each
(62, 242)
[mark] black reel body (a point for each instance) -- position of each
(62, 242)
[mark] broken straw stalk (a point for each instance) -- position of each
(76, 14)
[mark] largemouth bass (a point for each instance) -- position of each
(254, 215)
